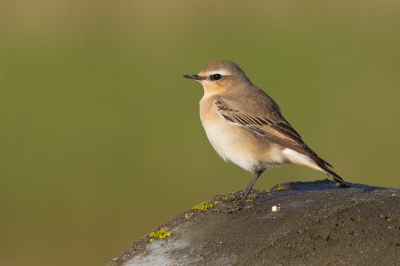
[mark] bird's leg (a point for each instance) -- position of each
(249, 187)
(241, 204)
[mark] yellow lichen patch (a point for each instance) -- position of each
(281, 187)
(204, 206)
(249, 200)
(159, 234)
(217, 202)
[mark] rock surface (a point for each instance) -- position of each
(316, 224)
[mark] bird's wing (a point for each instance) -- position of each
(280, 132)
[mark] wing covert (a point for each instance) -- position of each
(279, 132)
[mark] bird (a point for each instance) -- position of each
(245, 126)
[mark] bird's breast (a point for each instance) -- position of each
(232, 143)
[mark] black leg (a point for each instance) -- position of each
(241, 204)
(250, 186)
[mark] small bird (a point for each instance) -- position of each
(245, 126)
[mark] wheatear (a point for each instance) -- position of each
(245, 126)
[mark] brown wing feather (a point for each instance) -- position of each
(278, 132)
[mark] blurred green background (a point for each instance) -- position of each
(100, 135)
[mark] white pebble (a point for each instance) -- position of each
(276, 209)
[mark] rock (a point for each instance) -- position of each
(312, 223)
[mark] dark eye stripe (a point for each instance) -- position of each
(215, 77)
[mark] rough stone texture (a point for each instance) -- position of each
(317, 224)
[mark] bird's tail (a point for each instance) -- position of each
(329, 172)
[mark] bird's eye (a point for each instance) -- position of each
(215, 77)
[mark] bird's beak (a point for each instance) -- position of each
(195, 77)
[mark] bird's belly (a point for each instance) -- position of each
(227, 141)
(237, 144)
(241, 147)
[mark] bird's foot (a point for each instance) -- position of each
(228, 209)
(241, 205)
(238, 196)
(234, 196)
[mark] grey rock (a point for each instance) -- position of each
(317, 224)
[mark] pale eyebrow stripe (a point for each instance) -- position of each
(221, 72)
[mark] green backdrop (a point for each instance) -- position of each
(100, 135)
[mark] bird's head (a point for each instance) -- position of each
(220, 76)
